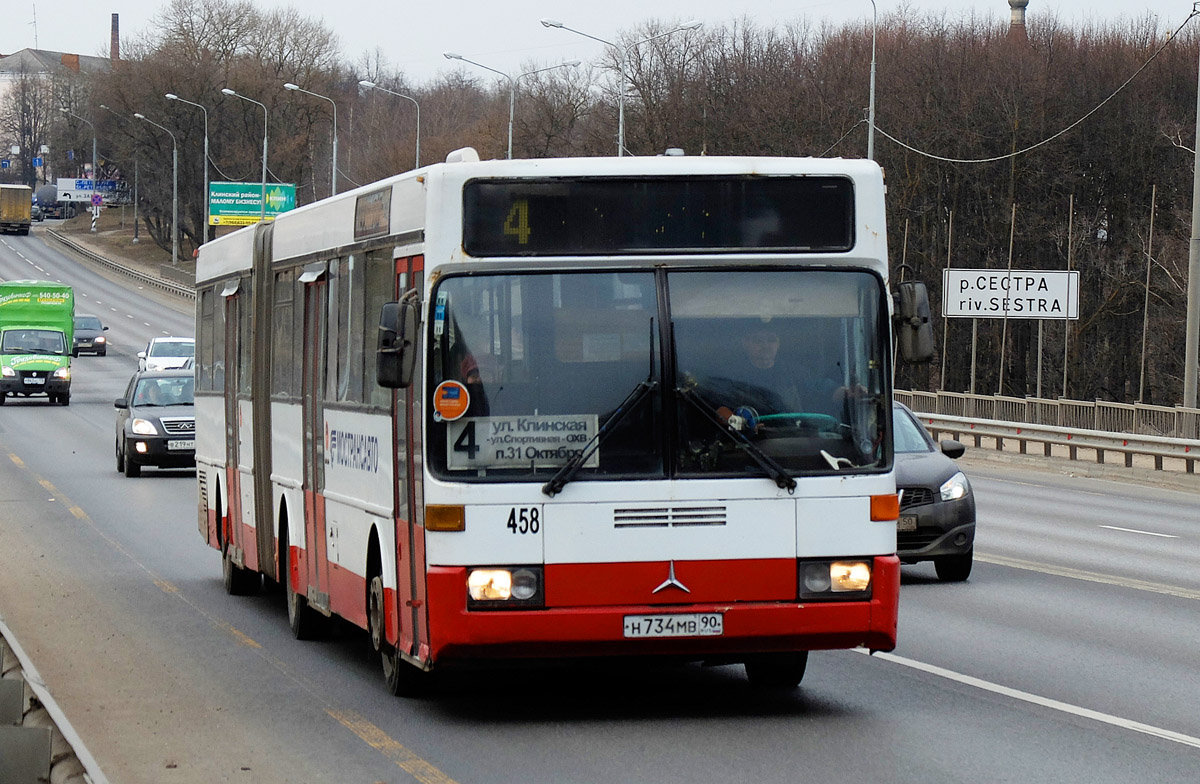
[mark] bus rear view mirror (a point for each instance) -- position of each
(397, 354)
(914, 331)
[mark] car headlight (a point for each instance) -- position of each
(100, 340)
(501, 587)
(63, 373)
(955, 487)
(8, 372)
(143, 427)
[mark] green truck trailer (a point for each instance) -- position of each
(37, 335)
(16, 205)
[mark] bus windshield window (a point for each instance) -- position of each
(525, 369)
(790, 360)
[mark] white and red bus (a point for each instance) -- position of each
(512, 410)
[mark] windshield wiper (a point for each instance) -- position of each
(777, 472)
(572, 466)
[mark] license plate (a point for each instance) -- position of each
(35, 381)
(675, 625)
(906, 523)
(181, 444)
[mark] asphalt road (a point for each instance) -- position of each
(1069, 656)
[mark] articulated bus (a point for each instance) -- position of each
(524, 410)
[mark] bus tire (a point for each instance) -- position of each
(776, 670)
(238, 580)
(305, 622)
(402, 679)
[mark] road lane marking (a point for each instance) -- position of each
(1045, 702)
(377, 739)
(403, 757)
(1093, 577)
(1136, 531)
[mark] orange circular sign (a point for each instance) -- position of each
(450, 400)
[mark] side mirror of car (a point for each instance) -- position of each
(141, 355)
(913, 328)
(105, 328)
(953, 449)
(120, 403)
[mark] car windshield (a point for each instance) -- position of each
(528, 369)
(87, 322)
(32, 341)
(175, 391)
(172, 348)
(907, 437)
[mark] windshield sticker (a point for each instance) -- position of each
(439, 314)
(450, 401)
(520, 441)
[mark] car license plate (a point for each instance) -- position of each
(182, 444)
(906, 523)
(676, 625)
(35, 381)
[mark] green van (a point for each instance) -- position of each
(37, 335)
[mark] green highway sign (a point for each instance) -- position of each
(240, 203)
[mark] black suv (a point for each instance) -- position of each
(156, 421)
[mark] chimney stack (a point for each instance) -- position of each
(1016, 29)
(114, 45)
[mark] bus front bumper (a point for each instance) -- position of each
(457, 634)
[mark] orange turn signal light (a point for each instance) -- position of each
(445, 518)
(885, 507)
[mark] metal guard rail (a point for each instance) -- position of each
(177, 289)
(1157, 447)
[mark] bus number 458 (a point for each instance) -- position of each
(524, 520)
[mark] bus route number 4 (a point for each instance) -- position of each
(524, 520)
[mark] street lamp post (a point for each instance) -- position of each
(174, 97)
(871, 98)
(135, 176)
(95, 172)
(622, 64)
(372, 86)
(263, 213)
(174, 187)
(333, 176)
(512, 85)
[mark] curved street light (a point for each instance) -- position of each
(622, 64)
(174, 187)
(372, 86)
(262, 216)
(124, 119)
(333, 176)
(95, 172)
(512, 84)
(174, 97)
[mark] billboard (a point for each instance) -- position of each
(240, 203)
(71, 189)
(1014, 294)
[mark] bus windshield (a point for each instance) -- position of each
(526, 370)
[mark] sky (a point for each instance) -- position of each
(506, 34)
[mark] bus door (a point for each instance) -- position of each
(316, 565)
(413, 634)
(234, 534)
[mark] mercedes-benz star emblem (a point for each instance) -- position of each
(671, 582)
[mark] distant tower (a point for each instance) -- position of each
(1016, 29)
(114, 44)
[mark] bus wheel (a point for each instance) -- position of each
(777, 670)
(402, 678)
(238, 580)
(304, 620)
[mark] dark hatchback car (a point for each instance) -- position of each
(156, 421)
(89, 336)
(937, 506)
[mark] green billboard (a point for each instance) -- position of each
(240, 203)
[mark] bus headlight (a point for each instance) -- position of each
(62, 372)
(8, 372)
(499, 587)
(835, 580)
